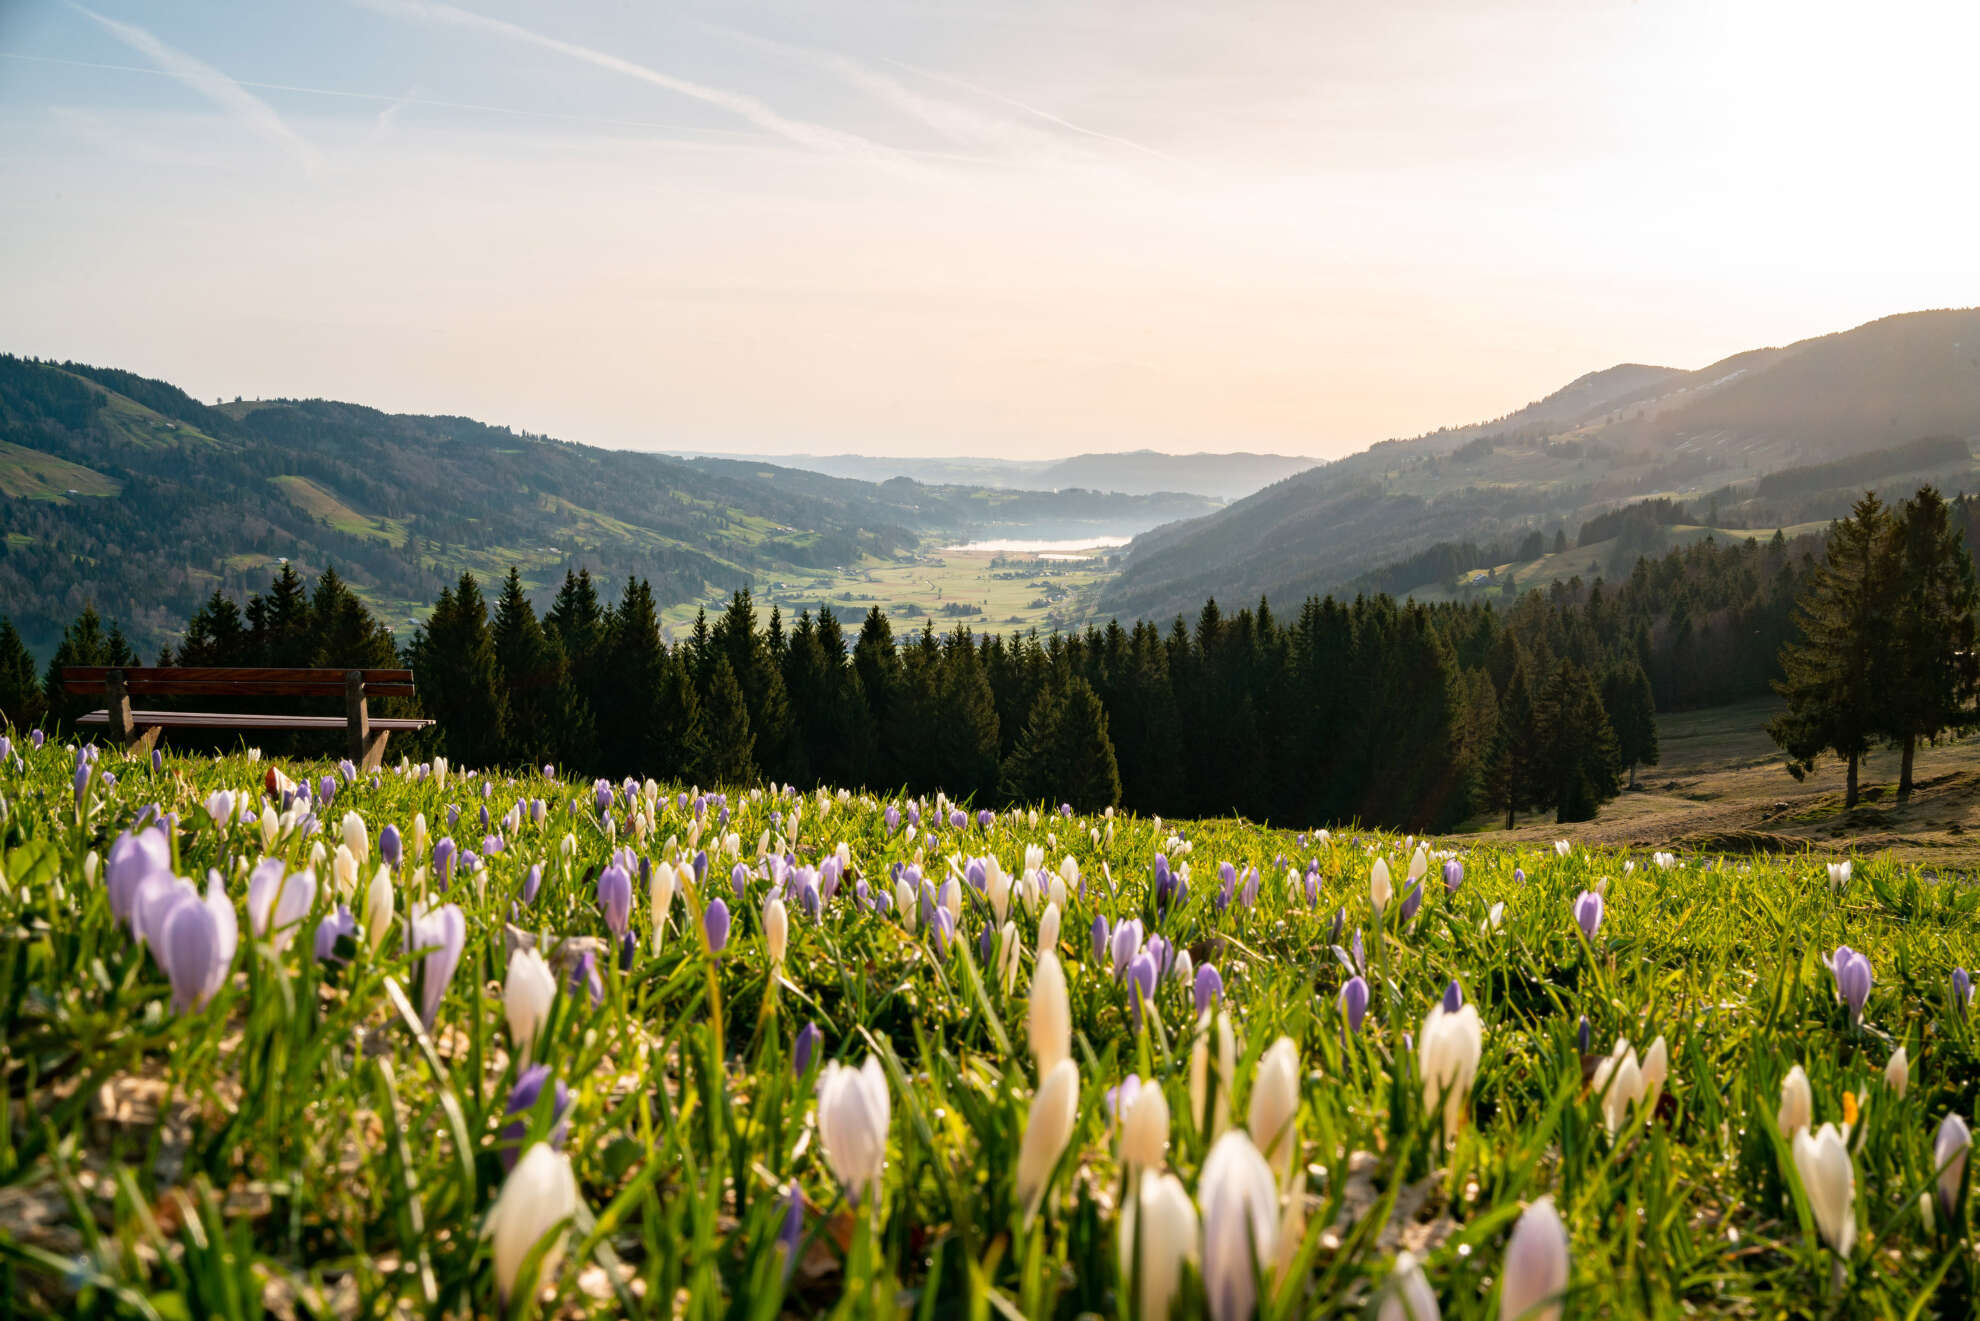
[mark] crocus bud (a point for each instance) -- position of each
(1354, 1001)
(1409, 1295)
(715, 925)
(854, 1111)
(1588, 913)
(1213, 1118)
(1950, 1147)
(1274, 1114)
(1962, 989)
(278, 901)
(537, 1198)
(1897, 1073)
(1050, 1014)
(1380, 891)
(1053, 1113)
(1453, 996)
(1240, 1225)
(1618, 1084)
(805, 1048)
(1158, 1234)
(135, 857)
(1536, 1266)
(1207, 989)
(1048, 928)
(1145, 1128)
(527, 995)
(193, 939)
(442, 934)
(1797, 1103)
(1453, 878)
(1822, 1160)
(356, 838)
(336, 936)
(776, 930)
(660, 892)
(378, 900)
(1656, 1069)
(1448, 1051)
(1853, 977)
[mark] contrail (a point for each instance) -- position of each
(212, 84)
(749, 108)
(1045, 115)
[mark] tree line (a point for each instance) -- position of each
(1386, 711)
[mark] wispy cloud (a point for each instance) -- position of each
(1033, 110)
(816, 137)
(212, 84)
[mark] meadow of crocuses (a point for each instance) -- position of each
(289, 1038)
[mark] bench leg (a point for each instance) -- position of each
(142, 741)
(374, 750)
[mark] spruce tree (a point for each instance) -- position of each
(1933, 666)
(534, 677)
(1512, 778)
(1832, 674)
(1632, 710)
(453, 661)
(21, 704)
(83, 643)
(1065, 754)
(728, 746)
(962, 736)
(631, 736)
(683, 744)
(1580, 756)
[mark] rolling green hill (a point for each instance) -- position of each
(129, 493)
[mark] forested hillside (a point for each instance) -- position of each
(128, 493)
(1768, 438)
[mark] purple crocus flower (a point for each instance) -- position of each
(984, 947)
(326, 789)
(1226, 885)
(1962, 989)
(278, 900)
(1126, 944)
(443, 860)
(1453, 997)
(700, 866)
(602, 790)
(808, 1039)
(1165, 881)
(1588, 912)
(484, 816)
(985, 818)
(390, 846)
(1412, 901)
(956, 819)
(1249, 894)
(336, 936)
(943, 924)
(914, 814)
(893, 818)
(1339, 925)
(615, 897)
(1354, 1001)
(715, 925)
(1101, 935)
(7, 747)
(82, 781)
(37, 738)
(1208, 988)
(1360, 956)
(1162, 951)
(532, 882)
(453, 815)
(977, 873)
(522, 1099)
(1853, 975)
(1582, 1033)
(1519, 875)
(1453, 875)
(157, 758)
(538, 810)
(791, 1233)
(1141, 977)
(584, 977)
(193, 938)
(441, 934)
(134, 857)
(739, 879)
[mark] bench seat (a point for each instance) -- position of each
(232, 720)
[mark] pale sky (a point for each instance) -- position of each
(985, 227)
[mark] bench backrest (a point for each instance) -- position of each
(234, 681)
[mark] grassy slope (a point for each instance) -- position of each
(27, 474)
(296, 1134)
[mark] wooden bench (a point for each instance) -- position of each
(138, 730)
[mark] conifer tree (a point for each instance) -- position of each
(1832, 674)
(1065, 754)
(215, 636)
(21, 703)
(631, 735)
(683, 745)
(1632, 710)
(728, 745)
(1580, 757)
(534, 677)
(1513, 780)
(962, 734)
(453, 662)
(83, 643)
(1933, 665)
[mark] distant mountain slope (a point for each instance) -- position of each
(1130, 472)
(1608, 438)
(130, 493)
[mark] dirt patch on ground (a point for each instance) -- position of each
(1721, 787)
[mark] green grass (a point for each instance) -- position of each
(313, 500)
(301, 1142)
(27, 474)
